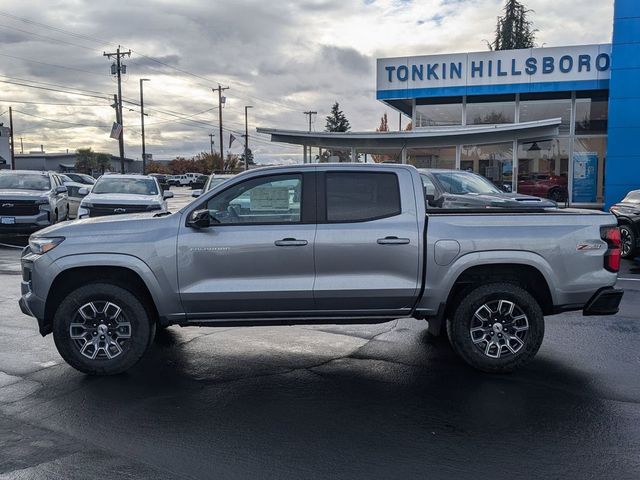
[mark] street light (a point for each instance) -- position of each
(246, 138)
(144, 153)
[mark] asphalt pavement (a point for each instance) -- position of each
(374, 401)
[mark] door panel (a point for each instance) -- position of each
(371, 265)
(240, 269)
(257, 256)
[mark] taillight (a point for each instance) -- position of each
(611, 235)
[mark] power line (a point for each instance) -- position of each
(53, 89)
(61, 121)
(63, 42)
(52, 64)
(103, 42)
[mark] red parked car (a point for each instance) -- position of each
(544, 185)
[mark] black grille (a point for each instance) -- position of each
(102, 210)
(17, 208)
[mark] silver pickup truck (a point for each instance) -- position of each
(313, 244)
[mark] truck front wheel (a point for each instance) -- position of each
(496, 328)
(102, 329)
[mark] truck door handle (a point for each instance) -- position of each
(290, 242)
(393, 241)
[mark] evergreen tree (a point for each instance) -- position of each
(249, 158)
(103, 162)
(337, 121)
(85, 160)
(513, 29)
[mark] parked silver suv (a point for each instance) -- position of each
(31, 200)
(118, 194)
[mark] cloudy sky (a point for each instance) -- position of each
(282, 57)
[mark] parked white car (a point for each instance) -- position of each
(118, 194)
(75, 197)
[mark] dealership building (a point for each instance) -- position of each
(557, 122)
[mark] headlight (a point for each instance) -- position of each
(154, 207)
(86, 205)
(40, 245)
(42, 201)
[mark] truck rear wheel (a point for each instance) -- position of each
(102, 329)
(497, 327)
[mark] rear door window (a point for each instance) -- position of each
(361, 196)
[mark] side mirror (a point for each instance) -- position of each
(433, 202)
(196, 193)
(199, 219)
(61, 189)
(83, 191)
(167, 194)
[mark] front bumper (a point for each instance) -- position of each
(27, 223)
(605, 301)
(29, 302)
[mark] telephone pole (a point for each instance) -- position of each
(144, 151)
(246, 138)
(13, 156)
(21, 146)
(221, 101)
(309, 114)
(211, 142)
(118, 69)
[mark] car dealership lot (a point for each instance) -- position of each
(375, 401)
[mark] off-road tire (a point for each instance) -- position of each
(628, 231)
(142, 329)
(459, 327)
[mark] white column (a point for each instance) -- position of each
(404, 155)
(354, 155)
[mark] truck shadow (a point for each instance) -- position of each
(388, 414)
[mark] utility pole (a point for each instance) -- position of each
(21, 146)
(246, 138)
(309, 114)
(400, 121)
(221, 101)
(211, 142)
(13, 156)
(118, 69)
(144, 152)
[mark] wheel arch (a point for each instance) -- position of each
(525, 275)
(123, 270)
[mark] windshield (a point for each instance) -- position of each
(24, 181)
(215, 181)
(460, 183)
(632, 197)
(130, 186)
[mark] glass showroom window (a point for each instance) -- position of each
(543, 168)
(592, 113)
(493, 161)
(589, 157)
(448, 111)
(436, 157)
(545, 106)
(486, 111)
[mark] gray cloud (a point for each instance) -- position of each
(282, 57)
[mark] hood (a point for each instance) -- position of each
(11, 194)
(121, 199)
(505, 200)
(132, 223)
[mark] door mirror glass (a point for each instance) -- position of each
(199, 219)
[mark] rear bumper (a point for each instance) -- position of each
(605, 301)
